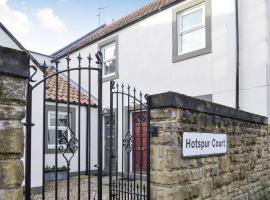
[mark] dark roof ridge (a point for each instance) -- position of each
(77, 40)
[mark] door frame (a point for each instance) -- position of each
(132, 114)
(125, 117)
(106, 113)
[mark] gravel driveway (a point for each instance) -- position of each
(62, 189)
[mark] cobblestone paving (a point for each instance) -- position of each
(62, 189)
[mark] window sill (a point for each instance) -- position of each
(193, 54)
(110, 78)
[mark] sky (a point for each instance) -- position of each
(48, 25)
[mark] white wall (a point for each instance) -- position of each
(6, 41)
(145, 57)
(268, 64)
(42, 58)
(254, 56)
(37, 141)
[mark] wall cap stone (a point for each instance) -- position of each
(176, 100)
(14, 62)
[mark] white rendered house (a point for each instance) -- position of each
(190, 47)
(194, 47)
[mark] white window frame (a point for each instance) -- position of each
(112, 59)
(182, 32)
(63, 128)
(106, 43)
(185, 8)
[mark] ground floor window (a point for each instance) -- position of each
(60, 126)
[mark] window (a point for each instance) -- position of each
(61, 129)
(62, 125)
(109, 49)
(109, 59)
(191, 30)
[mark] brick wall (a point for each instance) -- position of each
(243, 173)
(14, 69)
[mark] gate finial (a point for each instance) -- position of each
(68, 61)
(79, 59)
(89, 60)
(31, 77)
(99, 58)
(112, 85)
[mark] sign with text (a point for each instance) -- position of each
(203, 144)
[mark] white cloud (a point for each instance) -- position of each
(16, 21)
(49, 20)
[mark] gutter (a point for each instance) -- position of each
(237, 106)
(74, 42)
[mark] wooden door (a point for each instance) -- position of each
(139, 141)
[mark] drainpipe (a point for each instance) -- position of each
(237, 55)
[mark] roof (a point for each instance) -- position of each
(20, 46)
(50, 84)
(63, 90)
(65, 49)
(134, 17)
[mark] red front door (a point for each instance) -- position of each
(139, 140)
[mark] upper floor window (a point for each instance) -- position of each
(191, 30)
(109, 50)
(109, 59)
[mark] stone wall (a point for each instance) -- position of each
(243, 173)
(13, 74)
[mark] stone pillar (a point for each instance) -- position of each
(14, 71)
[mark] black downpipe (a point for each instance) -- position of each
(237, 106)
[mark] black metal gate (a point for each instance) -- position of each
(73, 129)
(129, 110)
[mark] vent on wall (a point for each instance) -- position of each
(206, 97)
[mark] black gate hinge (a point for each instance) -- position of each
(153, 131)
(25, 124)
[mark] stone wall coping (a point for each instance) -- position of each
(176, 100)
(14, 62)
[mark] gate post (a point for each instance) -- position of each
(14, 71)
(100, 124)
